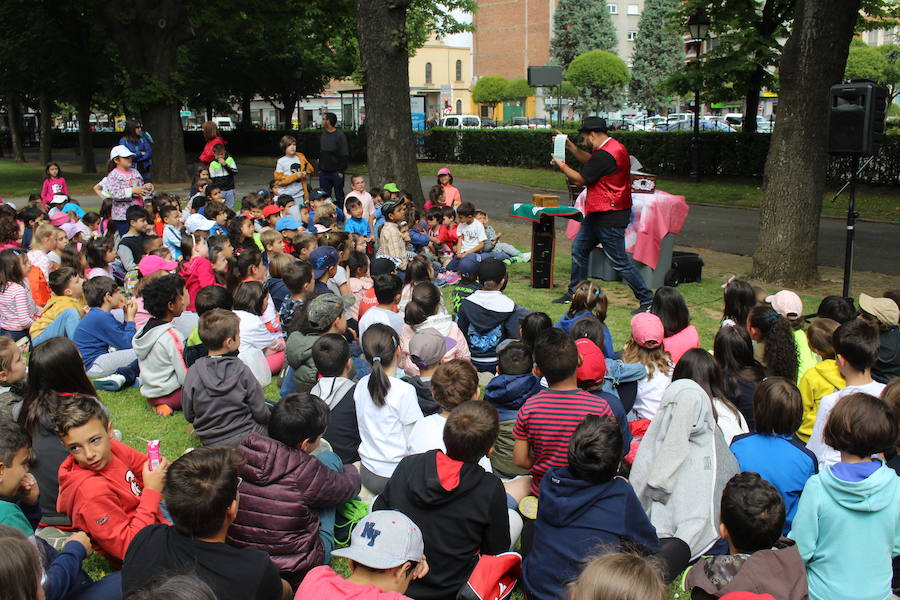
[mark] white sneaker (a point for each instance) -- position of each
(113, 383)
(526, 257)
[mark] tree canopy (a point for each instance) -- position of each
(490, 90)
(580, 26)
(658, 53)
(601, 78)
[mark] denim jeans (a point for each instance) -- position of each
(333, 183)
(613, 240)
(228, 196)
(327, 515)
(64, 325)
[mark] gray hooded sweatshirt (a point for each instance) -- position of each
(682, 466)
(223, 401)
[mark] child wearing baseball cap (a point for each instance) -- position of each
(646, 347)
(789, 305)
(385, 555)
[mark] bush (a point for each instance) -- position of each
(240, 143)
(721, 153)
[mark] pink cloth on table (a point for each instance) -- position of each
(653, 216)
(659, 215)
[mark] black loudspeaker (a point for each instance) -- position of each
(545, 75)
(858, 110)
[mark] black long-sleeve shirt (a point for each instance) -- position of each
(333, 151)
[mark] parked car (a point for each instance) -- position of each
(485, 122)
(461, 121)
(688, 125)
(223, 123)
(527, 123)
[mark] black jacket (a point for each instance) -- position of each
(426, 399)
(461, 511)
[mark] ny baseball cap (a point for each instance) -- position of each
(647, 330)
(593, 363)
(883, 309)
(384, 539)
(120, 151)
(322, 259)
(325, 308)
(392, 187)
(427, 347)
(786, 303)
(271, 209)
(59, 199)
(491, 269)
(198, 222)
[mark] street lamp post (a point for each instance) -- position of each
(698, 26)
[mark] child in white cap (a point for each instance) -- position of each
(386, 553)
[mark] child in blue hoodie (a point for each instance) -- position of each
(585, 509)
(847, 525)
(588, 300)
(508, 391)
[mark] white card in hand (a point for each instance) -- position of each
(559, 147)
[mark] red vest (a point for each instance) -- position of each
(612, 192)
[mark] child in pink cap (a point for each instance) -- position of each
(451, 193)
(789, 305)
(646, 347)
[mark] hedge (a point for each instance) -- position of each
(721, 153)
(246, 143)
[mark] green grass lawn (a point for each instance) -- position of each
(22, 179)
(136, 420)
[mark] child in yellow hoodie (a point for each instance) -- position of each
(822, 379)
(63, 310)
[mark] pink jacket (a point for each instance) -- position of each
(444, 324)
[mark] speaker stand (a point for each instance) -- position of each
(851, 219)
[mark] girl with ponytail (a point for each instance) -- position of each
(387, 408)
(248, 266)
(195, 267)
(424, 311)
(774, 338)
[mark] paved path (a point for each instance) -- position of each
(731, 230)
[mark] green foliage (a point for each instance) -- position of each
(424, 17)
(519, 88)
(658, 53)
(891, 53)
(601, 78)
(747, 46)
(580, 26)
(490, 90)
(866, 62)
(721, 154)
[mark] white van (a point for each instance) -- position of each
(223, 123)
(461, 121)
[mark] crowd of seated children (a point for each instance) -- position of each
(451, 418)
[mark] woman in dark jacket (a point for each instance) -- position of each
(137, 141)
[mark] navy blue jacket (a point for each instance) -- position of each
(577, 519)
(509, 392)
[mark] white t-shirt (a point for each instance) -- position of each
(825, 453)
(649, 395)
(730, 424)
(294, 189)
(381, 428)
(380, 315)
(470, 235)
(340, 278)
(428, 434)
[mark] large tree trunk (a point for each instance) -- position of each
(45, 127)
(164, 124)
(149, 43)
(16, 129)
(751, 101)
(813, 60)
(85, 138)
(246, 116)
(391, 147)
(289, 102)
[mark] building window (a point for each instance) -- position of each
(428, 73)
(634, 9)
(458, 103)
(632, 35)
(459, 70)
(613, 9)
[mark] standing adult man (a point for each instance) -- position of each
(607, 175)
(333, 157)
